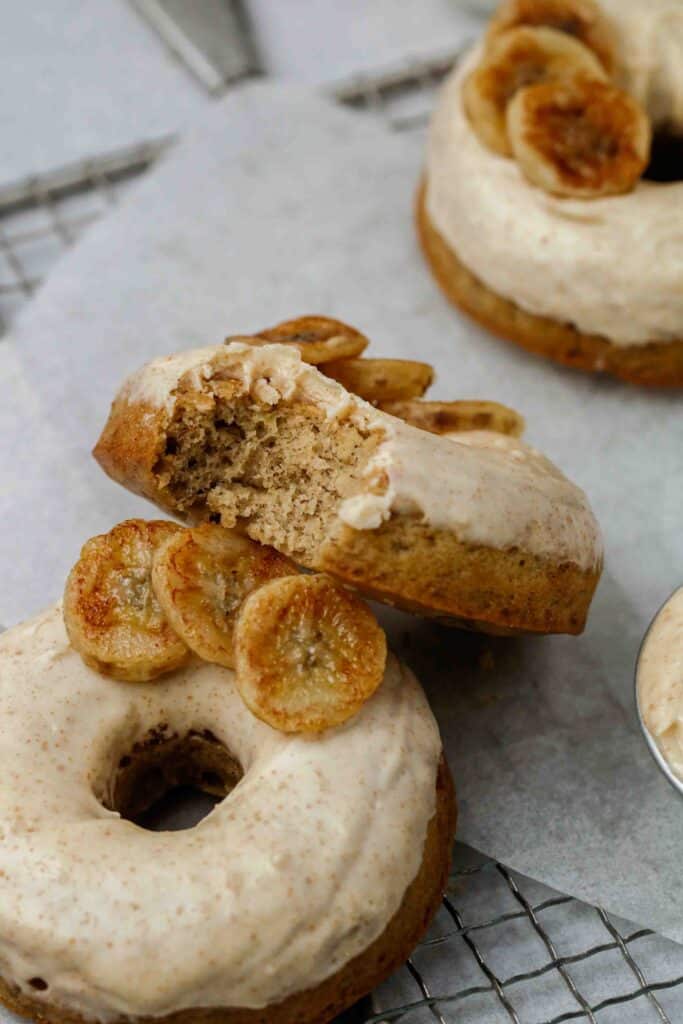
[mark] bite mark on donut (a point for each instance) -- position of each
(280, 472)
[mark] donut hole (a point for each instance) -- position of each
(666, 158)
(170, 782)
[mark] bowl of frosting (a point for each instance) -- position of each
(659, 689)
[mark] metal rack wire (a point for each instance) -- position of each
(503, 947)
(43, 215)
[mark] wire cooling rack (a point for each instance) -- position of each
(503, 948)
(43, 215)
(506, 948)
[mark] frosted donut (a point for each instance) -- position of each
(302, 889)
(482, 531)
(596, 284)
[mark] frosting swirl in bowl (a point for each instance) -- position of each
(659, 684)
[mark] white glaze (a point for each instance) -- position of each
(660, 682)
(296, 872)
(612, 266)
(489, 493)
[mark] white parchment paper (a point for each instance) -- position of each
(282, 204)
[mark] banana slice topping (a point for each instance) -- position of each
(319, 339)
(582, 19)
(308, 652)
(579, 137)
(111, 612)
(201, 577)
(382, 380)
(450, 417)
(517, 58)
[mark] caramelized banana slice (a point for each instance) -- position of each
(520, 57)
(309, 653)
(582, 19)
(579, 137)
(202, 576)
(111, 613)
(319, 339)
(382, 380)
(449, 417)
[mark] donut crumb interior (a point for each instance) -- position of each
(280, 470)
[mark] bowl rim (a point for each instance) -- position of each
(650, 741)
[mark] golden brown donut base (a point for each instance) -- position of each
(657, 364)
(318, 1005)
(479, 588)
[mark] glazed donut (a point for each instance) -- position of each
(594, 283)
(480, 531)
(299, 892)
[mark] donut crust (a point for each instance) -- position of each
(500, 592)
(348, 985)
(655, 364)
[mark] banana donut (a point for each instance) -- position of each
(595, 283)
(299, 892)
(484, 530)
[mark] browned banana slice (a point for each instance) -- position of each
(579, 137)
(382, 380)
(201, 578)
(309, 653)
(111, 613)
(319, 339)
(520, 57)
(582, 19)
(449, 417)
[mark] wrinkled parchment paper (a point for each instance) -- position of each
(281, 204)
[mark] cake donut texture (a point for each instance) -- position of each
(486, 531)
(300, 891)
(597, 283)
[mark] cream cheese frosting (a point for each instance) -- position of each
(296, 872)
(660, 682)
(611, 266)
(487, 490)
(649, 37)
